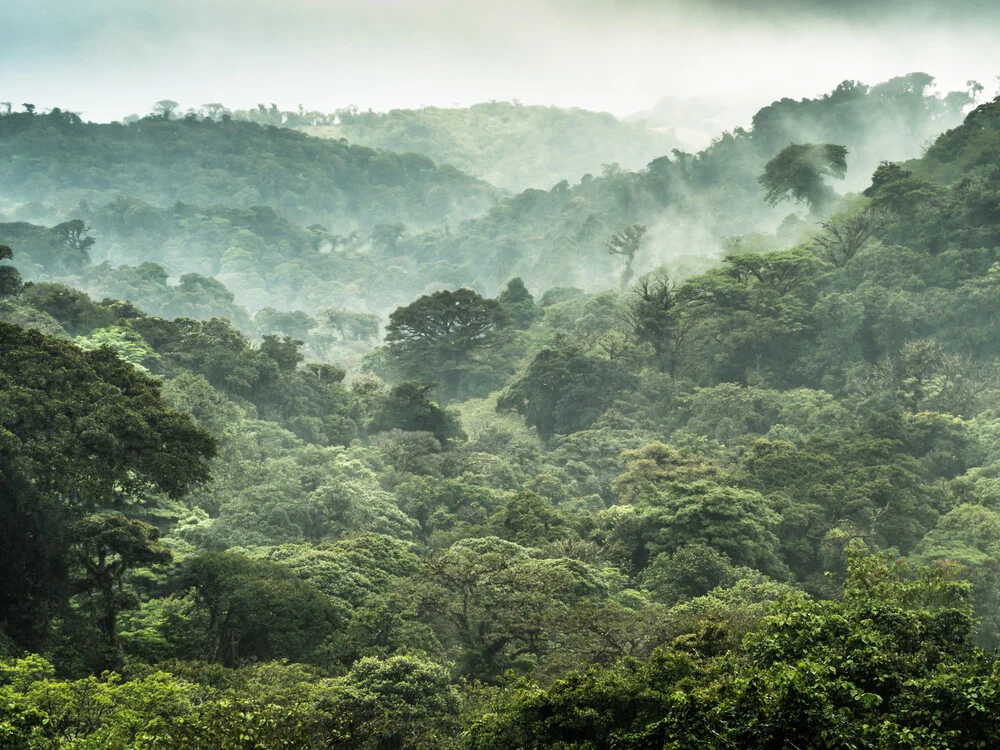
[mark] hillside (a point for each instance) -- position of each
(513, 146)
(690, 204)
(49, 163)
(759, 505)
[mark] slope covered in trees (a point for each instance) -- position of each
(756, 506)
(55, 160)
(509, 145)
(376, 247)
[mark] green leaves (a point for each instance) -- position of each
(798, 171)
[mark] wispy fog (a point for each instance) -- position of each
(109, 58)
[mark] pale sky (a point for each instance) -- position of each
(110, 58)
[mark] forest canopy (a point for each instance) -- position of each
(310, 444)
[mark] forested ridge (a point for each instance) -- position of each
(745, 500)
(299, 223)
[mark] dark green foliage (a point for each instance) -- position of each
(564, 390)
(519, 304)
(106, 547)
(438, 335)
(74, 309)
(408, 407)
(78, 430)
(251, 610)
(798, 171)
(10, 279)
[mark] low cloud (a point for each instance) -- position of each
(108, 58)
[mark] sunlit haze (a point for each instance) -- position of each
(110, 58)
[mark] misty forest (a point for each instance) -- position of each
(501, 424)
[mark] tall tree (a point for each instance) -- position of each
(106, 547)
(430, 338)
(627, 244)
(78, 431)
(798, 170)
(10, 278)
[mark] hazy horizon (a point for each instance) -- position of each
(111, 58)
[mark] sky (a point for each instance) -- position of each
(110, 58)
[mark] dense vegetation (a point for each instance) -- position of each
(307, 224)
(509, 145)
(748, 505)
(56, 160)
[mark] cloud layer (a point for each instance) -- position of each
(108, 58)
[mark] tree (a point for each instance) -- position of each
(798, 171)
(78, 431)
(433, 336)
(844, 236)
(653, 315)
(352, 326)
(74, 234)
(165, 108)
(400, 702)
(519, 304)
(408, 407)
(386, 236)
(492, 602)
(106, 547)
(738, 523)
(295, 324)
(10, 279)
(564, 390)
(250, 609)
(626, 243)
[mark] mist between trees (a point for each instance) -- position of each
(305, 443)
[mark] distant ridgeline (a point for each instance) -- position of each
(757, 507)
(56, 160)
(355, 228)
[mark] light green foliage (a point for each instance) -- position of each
(510, 145)
(127, 343)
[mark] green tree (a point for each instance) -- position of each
(564, 390)
(165, 108)
(408, 407)
(386, 236)
(798, 171)
(519, 304)
(79, 431)
(352, 326)
(247, 609)
(431, 338)
(653, 315)
(106, 547)
(403, 701)
(10, 279)
(626, 243)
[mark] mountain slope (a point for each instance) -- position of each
(509, 145)
(56, 160)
